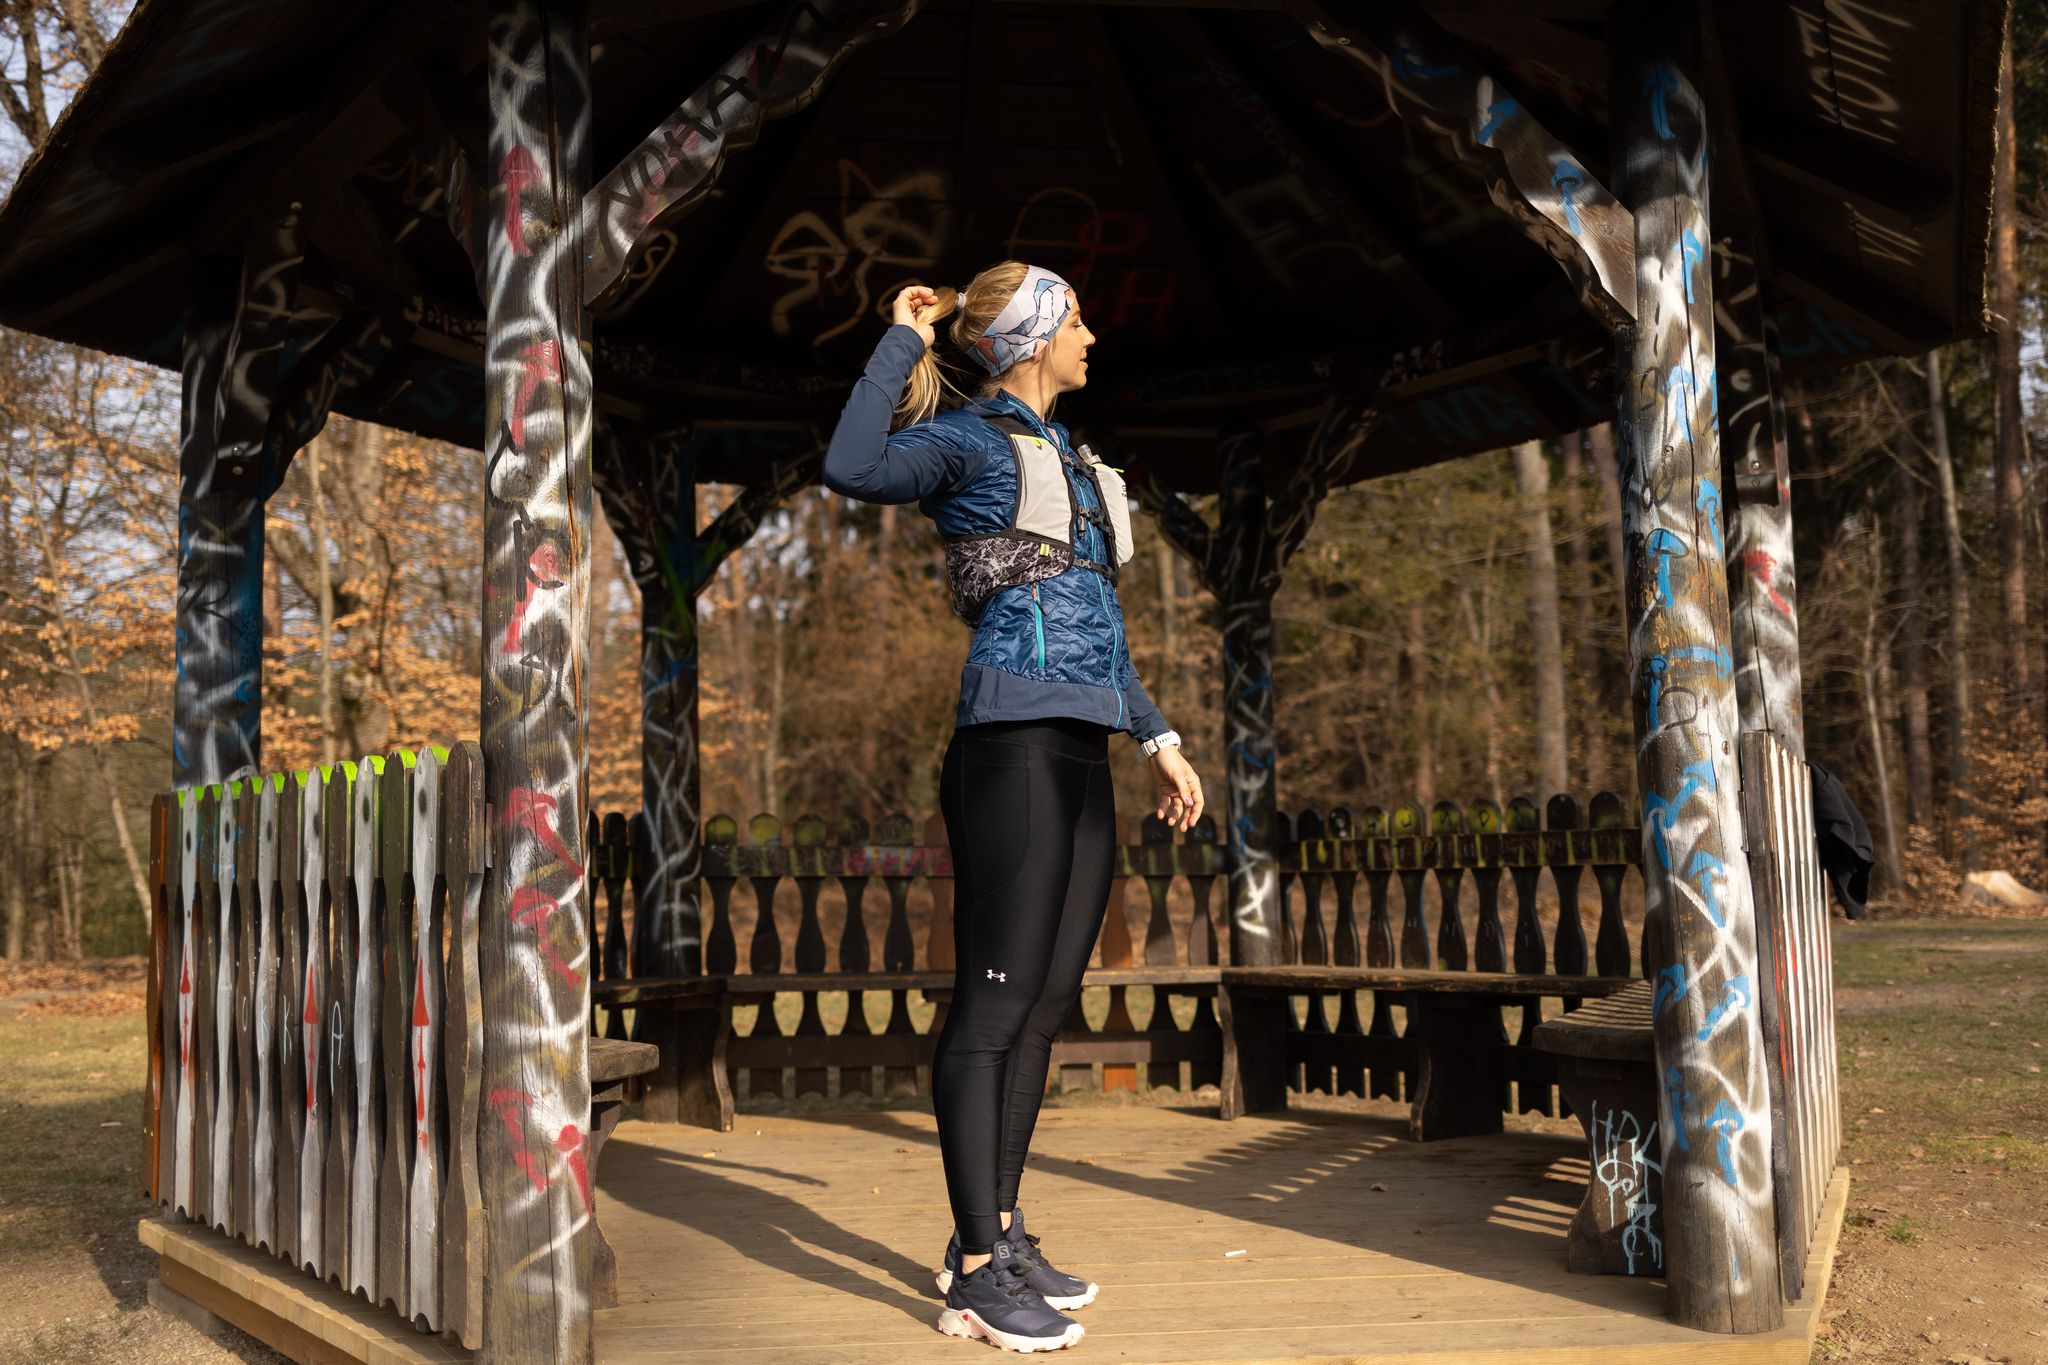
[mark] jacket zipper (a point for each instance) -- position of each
(1116, 647)
(1038, 617)
(1038, 626)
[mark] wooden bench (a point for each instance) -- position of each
(1607, 1071)
(690, 1019)
(612, 1064)
(1454, 1038)
(685, 1019)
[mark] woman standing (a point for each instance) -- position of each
(1035, 532)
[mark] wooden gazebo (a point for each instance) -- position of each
(631, 246)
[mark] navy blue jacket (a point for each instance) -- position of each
(1051, 648)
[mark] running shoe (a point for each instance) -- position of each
(995, 1305)
(1059, 1289)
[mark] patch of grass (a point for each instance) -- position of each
(1902, 1231)
(1858, 1219)
(73, 1097)
(1939, 1032)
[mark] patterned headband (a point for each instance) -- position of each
(1026, 323)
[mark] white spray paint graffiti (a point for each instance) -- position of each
(537, 507)
(1762, 592)
(1431, 81)
(1714, 1104)
(780, 71)
(1623, 1156)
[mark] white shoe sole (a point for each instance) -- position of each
(1063, 1303)
(958, 1322)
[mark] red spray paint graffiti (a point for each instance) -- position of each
(516, 172)
(534, 812)
(531, 909)
(543, 570)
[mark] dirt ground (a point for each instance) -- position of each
(1943, 1037)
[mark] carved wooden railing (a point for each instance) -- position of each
(794, 912)
(317, 1038)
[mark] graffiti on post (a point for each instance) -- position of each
(1715, 1107)
(537, 505)
(780, 71)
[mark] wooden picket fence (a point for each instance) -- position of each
(1795, 959)
(316, 1026)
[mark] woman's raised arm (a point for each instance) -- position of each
(864, 461)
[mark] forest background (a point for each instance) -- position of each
(1409, 658)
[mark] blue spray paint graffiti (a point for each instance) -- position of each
(1734, 996)
(1675, 1093)
(1567, 179)
(1663, 811)
(1499, 112)
(1707, 872)
(1709, 501)
(1671, 985)
(1726, 1123)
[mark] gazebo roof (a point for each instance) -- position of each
(1244, 214)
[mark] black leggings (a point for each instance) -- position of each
(1032, 820)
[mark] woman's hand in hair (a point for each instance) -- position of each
(1180, 791)
(914, 304)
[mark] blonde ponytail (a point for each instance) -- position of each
(972, 311)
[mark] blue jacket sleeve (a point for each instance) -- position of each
(864, 461)
(1143, 718)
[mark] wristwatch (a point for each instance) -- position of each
(1170, 739)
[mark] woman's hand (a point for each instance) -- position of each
(913, 302)
(1180, 791)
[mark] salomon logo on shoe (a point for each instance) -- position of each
(995, 975)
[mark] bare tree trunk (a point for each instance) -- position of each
(1872, 685)
(67, 924)
(32, 845)
(1913, 639)
(68, 659)
(17, 880)
(739, 633)
(1415, 701)
(1958, 617)
(1532, 478)
(771, 751)
(1482, 648)
(885, 572)
(323, 592)
(1583, 707)
(2011, 448)
(604, 579)
(1600, 452)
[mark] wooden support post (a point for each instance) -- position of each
(216, 732)
(649, 488)
(535, 960)
(1762, 594)
(1248, 735)
(1241, 561)
(1714, 1096)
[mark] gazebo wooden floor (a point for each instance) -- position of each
(814, 1238)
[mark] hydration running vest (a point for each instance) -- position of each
(1043, 536)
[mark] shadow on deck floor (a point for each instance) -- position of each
(814, 1238)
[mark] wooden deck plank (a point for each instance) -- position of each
(812, 1238)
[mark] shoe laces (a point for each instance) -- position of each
(1010, 1280)
(1028, 1252)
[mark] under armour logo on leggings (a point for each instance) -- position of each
(995, 975)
